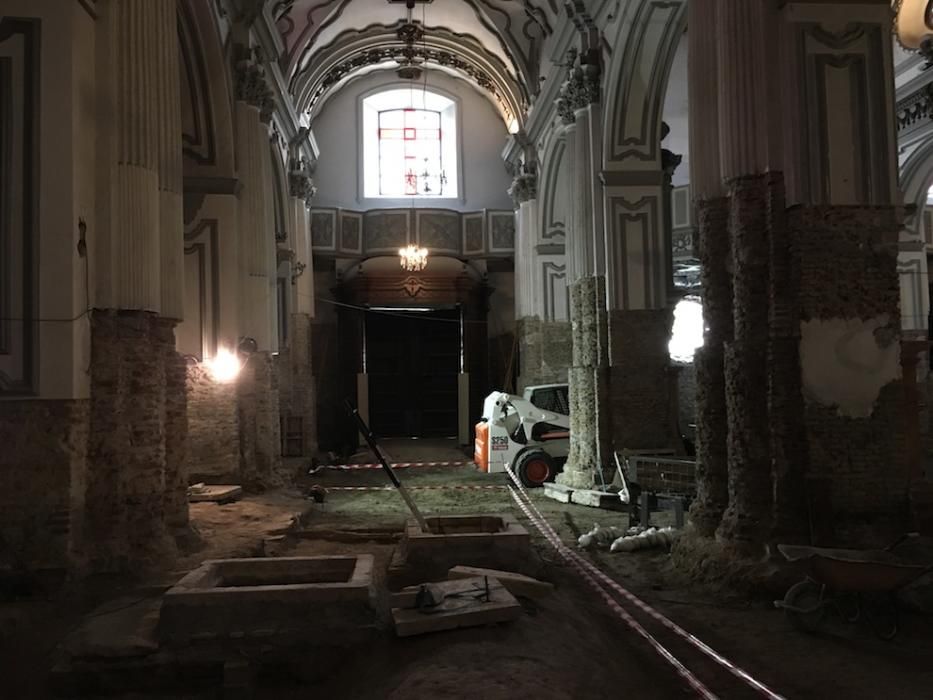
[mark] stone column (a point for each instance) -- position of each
(138, 260)
(744, 165)
(257, 385)
(583, 459)
(298, 393)
(172, 267)
(256, 217)
(712, 216)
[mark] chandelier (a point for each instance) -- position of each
(412, 258)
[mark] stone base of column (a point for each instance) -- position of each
(544, 350)
(125, 527)
(639, 379)
(260, 438)
(42, 481)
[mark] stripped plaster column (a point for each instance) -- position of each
(712, 216)
(743, 115)
(126, 485)
(257, 385)
(583, 459)
(529, 310)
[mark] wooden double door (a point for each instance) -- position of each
(412, 363)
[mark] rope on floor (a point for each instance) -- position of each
(416, 488)
(397, 465)
(602, 584)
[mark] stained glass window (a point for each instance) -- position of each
(410, 154)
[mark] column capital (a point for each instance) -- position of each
(251, 85)
(524, 188)
(300, 182)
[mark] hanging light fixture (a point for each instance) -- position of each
(413, 258)
(913, 22)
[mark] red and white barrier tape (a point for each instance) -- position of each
(682, 670)
(589, 571)
(398, 465)
(416, 488)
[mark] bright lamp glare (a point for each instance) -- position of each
(687, 333)
(224, 366)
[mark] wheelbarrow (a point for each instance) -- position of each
(855, 584)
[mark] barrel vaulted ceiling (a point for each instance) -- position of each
(495, 45)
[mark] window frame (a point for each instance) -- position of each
(451, 145)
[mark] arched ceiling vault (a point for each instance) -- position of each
(495, 45)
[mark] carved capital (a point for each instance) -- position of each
(300, 183)
(251, 85)
(524, 187)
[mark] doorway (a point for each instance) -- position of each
(413, 359)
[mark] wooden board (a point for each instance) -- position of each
(464, 605)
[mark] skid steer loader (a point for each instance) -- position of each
(529, 434)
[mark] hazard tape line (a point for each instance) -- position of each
(415, 488)
(595, 576)
(398, 465)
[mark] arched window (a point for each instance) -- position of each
(409, 144)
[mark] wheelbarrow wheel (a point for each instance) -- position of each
(881, 613)
(803, 605)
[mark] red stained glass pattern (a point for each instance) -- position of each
(410, 152)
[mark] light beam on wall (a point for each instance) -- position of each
(687, 333)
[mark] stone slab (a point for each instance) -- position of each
(460, 608)
(515, 583)
(558, 492)
(597, 499)
(215, 493)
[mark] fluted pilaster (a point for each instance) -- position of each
(527, 303)
(582, 234)
(303, 271)
(134, 270)
(703, 87)
(743, 92)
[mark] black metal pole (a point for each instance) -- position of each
(371, 441)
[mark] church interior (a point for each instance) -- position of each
(417, 349)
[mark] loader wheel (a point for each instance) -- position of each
(534, 468)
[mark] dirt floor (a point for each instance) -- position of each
(568, 645)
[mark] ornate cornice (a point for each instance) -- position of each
(915, 109)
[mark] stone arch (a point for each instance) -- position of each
(644, 45)
(916, 178)
(206, 94)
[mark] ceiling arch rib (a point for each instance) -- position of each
(500, 38)
(377, 47)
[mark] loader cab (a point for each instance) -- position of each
(553, 398)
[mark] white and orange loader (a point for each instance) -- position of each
(529, 434)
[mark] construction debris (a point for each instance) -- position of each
(217, 493)
(652, 537)
(599, 537)
(451, 604)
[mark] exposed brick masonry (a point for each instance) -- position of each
(213, 428)
(848, 270)
(545, 351)
(42, 482)
(258, 408)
